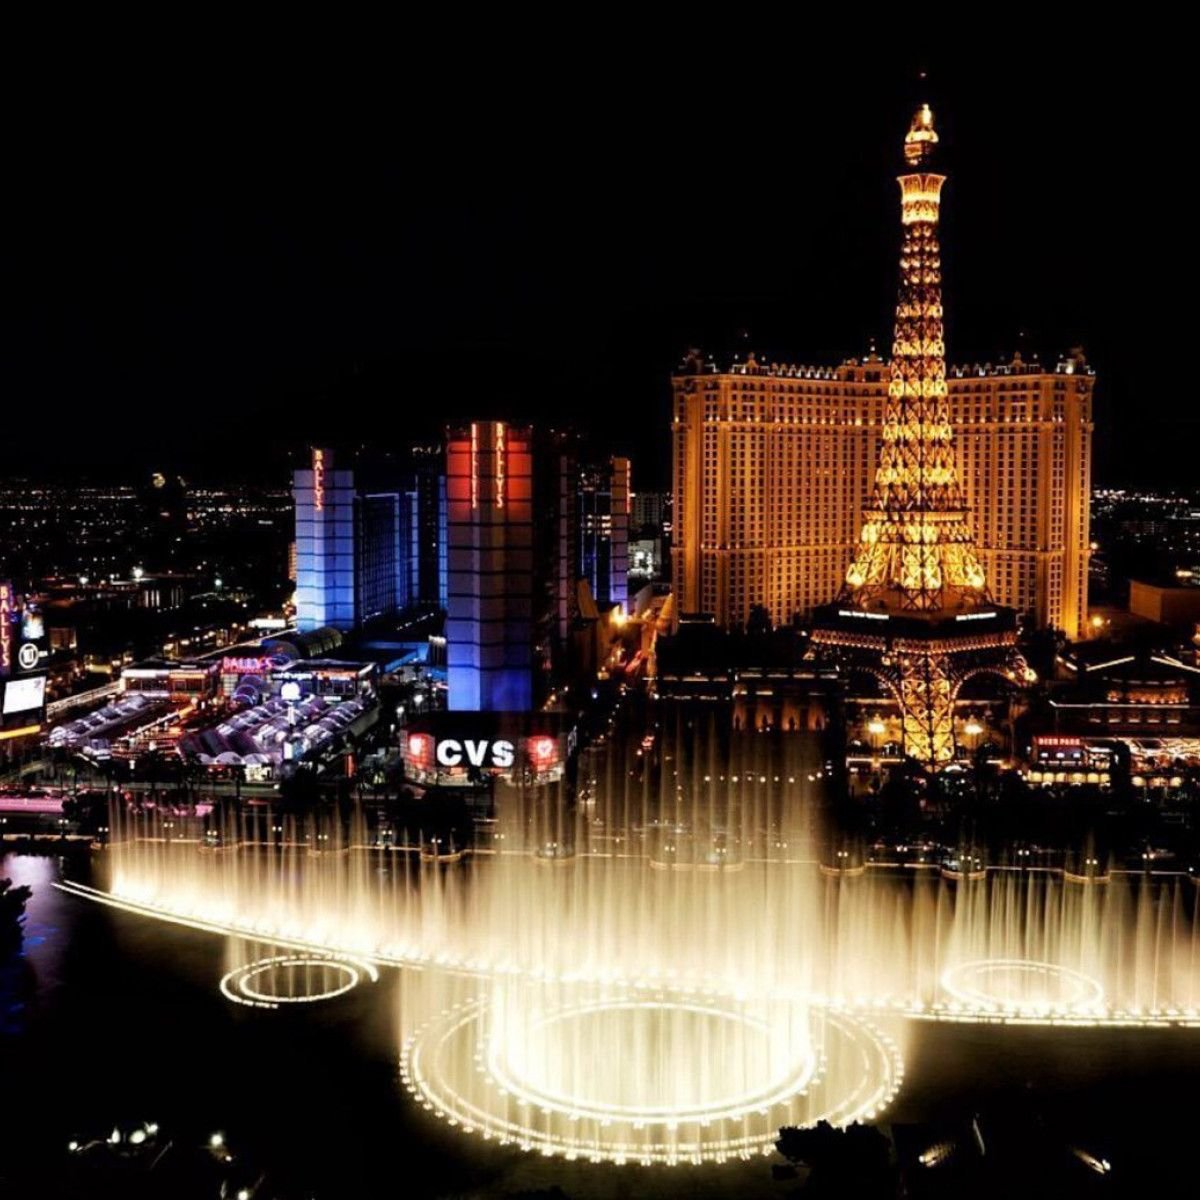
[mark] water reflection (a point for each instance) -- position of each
(35, 970)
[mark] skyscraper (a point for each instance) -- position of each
(915, 611)
(490, 615)
(325, 585)
(425, 494)
(647, 510)
(603, 515)
(511, 541)
(353, 558)
(381, 576)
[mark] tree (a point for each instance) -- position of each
(842, 1162)
(300, 791)
(900, 803)
(12, 914)
(758, 622)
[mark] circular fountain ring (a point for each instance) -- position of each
(241, 985)
(590, 1019)
(457, 1070)
(1021, 987)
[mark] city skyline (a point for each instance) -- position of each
(545, 604)
(572, 281)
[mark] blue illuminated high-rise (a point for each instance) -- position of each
(325, 535)
(352, 548)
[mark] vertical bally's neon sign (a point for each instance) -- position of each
(6, 639)
(318, 459)
(499, 475)
(500, 465)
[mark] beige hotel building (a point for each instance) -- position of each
(772, 465)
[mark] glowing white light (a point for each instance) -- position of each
(238, 985)
(1024, 987)
(541, 1097)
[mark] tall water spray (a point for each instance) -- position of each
(664, 962)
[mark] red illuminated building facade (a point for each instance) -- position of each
(510, 564)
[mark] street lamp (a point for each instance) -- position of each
(876, 728)
(973, 729)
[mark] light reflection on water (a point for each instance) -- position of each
(36, 970)
(44, 927)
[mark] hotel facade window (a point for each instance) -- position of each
(773, 463)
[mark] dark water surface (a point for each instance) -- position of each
(107, 1017)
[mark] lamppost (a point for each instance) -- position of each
(973, 729)
(876, 728)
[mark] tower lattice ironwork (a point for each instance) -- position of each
(915, 610)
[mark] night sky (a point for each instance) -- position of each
(199, 273)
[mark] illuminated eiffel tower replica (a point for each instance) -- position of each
(915, 611)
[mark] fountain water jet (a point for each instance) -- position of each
(656, 967)
(626, 1074)
(260, 977)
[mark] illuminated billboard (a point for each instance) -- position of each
(254, 664)
(450, 749)
(1058, 748)
(22, 634)
(33, 627)
(23, 695)
(473, 752)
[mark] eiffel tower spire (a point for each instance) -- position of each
(916, 551)
(914, 611)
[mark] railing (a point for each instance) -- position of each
(67, 703)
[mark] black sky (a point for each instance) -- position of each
(198, 271)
